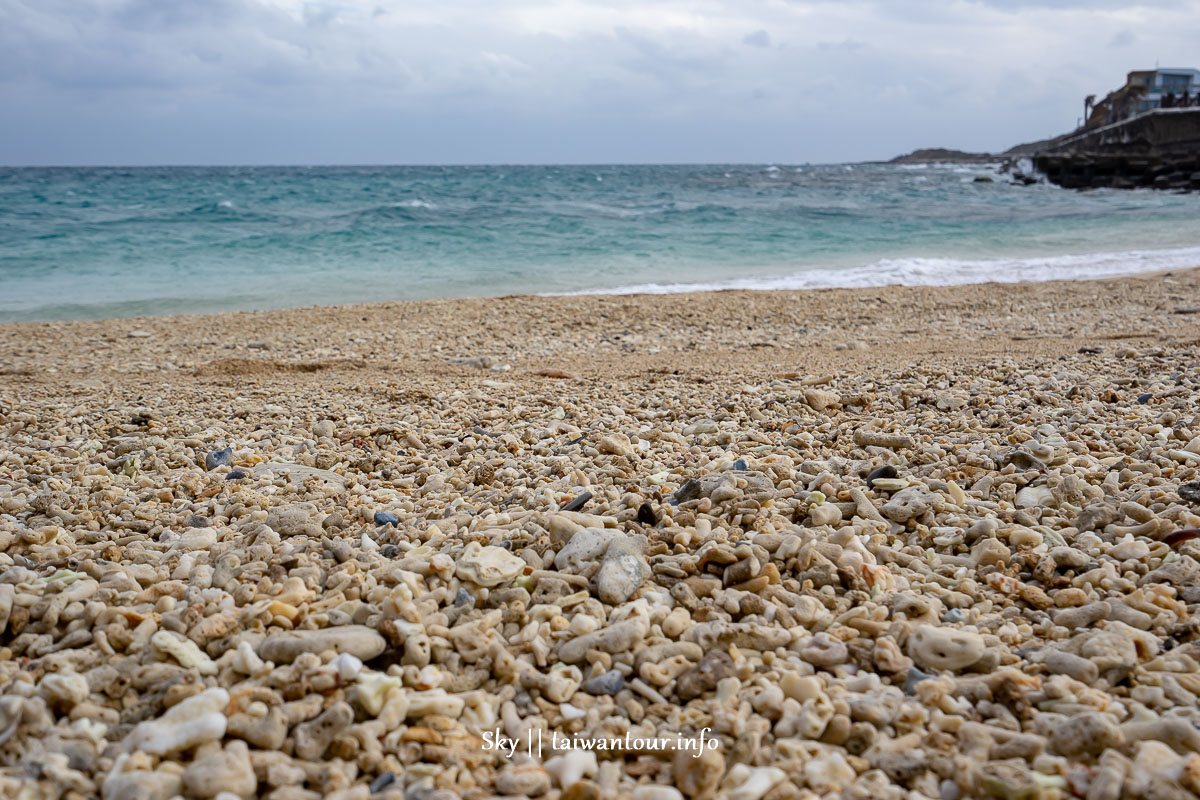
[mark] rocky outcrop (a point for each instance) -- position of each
(941, 155)
(1179, 172)
(1157, 150)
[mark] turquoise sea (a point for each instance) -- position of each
(117, 242)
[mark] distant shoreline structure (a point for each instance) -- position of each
(1145, 135)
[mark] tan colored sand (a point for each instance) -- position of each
(703, 336)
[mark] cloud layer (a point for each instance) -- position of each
(468, 81)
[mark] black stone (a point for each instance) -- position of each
(1190, 492)
(389, 551)
(218, 458)
(610, 683)
(382, 782)
(690, 490)
(464, 598)
(1144, 398)
(886, 471)
(577, 502)
(646, 515)
(235, 475)
(197, 521)
(386, 518)
(740, 465)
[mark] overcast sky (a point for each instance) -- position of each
(539, 81)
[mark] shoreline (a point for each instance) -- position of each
(904, 272)
(824, 323)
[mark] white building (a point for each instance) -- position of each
(1161, 83)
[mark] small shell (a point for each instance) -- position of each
(1032, 496)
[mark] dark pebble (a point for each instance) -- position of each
(464, 598)
(577, 502)
(386, 518)
(235, 475)
(740, 465)
(886, 471)
(954, 615)
(382, 782)
(389, 551)
(610, 683)
(197, 521)
(1144, 398)
(219, 458)
(914, 677)
(505, 545)
(1021, 460)
(646, 515)
(1190, 492)
(576, 440)
(690, 490)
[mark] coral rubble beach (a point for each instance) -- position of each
(925, 542)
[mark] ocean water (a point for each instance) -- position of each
(119, 242)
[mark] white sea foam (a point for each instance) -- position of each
(941, 272)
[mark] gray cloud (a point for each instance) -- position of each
(1122, 39)
(236, 81)
(759, 38)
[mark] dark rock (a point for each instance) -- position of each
(386, 518)
(715, 666)
(577, 502)
(886, 471)
(382, 782)
(954, 615)
(610, 683)
(389, 551)
(740, 465)
(1021, 460)
(235, 475)
(1190, 492)
(464, 598)
(646, 515)
(690, 490)
(1144, 398)
(197, 521)
(218, 458)
(984, 179)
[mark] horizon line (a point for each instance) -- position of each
(464, 164)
